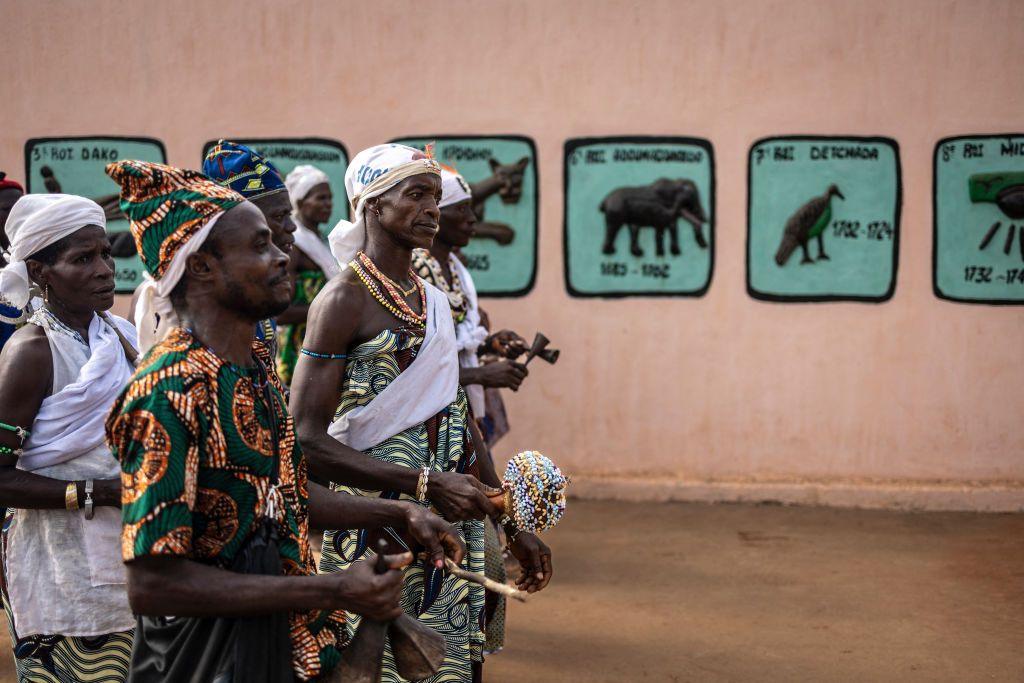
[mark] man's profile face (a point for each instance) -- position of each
(408, 211)
(458, 224)
(317, 206)
(278, 211)
(8, 196)
(251, 272)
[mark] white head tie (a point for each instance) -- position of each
(301, 180)
(373, 172)
(36, 221)
(454, 188)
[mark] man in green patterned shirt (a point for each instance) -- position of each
(208, 449)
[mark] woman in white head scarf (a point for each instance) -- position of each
(63, 577)
(311, 261)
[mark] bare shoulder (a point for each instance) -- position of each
(27, 345)
(25, 360)
(343, 296)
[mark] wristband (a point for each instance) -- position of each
(71, 496)
(89, 509)
(422, 484)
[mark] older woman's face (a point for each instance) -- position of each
(82, 277)
(317, 206)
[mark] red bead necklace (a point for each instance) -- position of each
(397, 306)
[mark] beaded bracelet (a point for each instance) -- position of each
(7, 450)
(325, 356)
(20, 432)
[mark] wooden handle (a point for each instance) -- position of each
(489, 584)
(381, 564)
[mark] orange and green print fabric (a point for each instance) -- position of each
(192, 433)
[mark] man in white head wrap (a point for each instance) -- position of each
(311, 262)
(376, 393)
(441, 267)
(59, 376)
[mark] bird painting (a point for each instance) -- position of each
(809, 222)
(1005, 190)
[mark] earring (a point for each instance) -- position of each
(46, 293)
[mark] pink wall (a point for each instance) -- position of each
(720, 388)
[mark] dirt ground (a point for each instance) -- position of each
(680, 592)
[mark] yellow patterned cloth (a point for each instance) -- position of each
(450, 606)
(193, 435)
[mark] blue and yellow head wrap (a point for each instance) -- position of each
(242, 169)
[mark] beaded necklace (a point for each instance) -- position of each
(430, 267)
(370, 275)
(385, 280)
(44, 317)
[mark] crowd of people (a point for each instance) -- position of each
(161, 475)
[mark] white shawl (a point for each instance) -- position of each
(70, 423)
(429, 384)
(469, 334)
(316, 249)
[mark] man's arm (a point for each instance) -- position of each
(316, 386)
(485, 462)
(501, 374)
(176, 586)
(332, 510)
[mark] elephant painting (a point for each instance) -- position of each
(659, 206)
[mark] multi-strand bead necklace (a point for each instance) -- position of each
(370, 276)
(429, 268)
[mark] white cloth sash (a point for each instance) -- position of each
(70, 423)
(65, 574)
(316, 249)
(421, 391)
(469, 334)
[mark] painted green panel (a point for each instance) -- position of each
(978, 197)
(75, 165)
(503, 255)
(329, 156)
(823, 218)
(624, 195)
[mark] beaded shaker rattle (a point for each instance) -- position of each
(533, 492)
(532, 497)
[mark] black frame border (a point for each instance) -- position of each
(939, 294)
(32, 142)
(504, 294)
(571, 145)
(826, 298)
